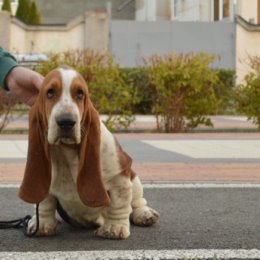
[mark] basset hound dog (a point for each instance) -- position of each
(75, 162)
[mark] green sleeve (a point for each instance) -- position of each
(7, 62)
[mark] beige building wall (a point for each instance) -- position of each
(247, 44)
(17, 43)
(5, 34)
(56, 39)
(89, 31)
(247, 9)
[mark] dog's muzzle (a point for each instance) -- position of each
(65, 123)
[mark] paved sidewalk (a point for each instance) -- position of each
(165, 157)
(197, 157)
(148, 123)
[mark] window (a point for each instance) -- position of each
(216, 10)
(163, 9)
(221, 9)
(176, 8)
(226, 8)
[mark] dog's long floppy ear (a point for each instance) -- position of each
(90, 185)
(37, 177)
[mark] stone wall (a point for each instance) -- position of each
(5, 24)
(88, 31)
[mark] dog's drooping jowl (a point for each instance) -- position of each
(76, 163)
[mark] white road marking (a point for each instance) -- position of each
(237, 118)
(210, 149)
(189, 185)
(9, 185)
(202, 185)
(137, 254)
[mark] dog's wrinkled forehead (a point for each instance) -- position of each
(65, 101)
(61, 78)
(63, 85)
(67, 77)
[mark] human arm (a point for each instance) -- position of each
(7, 63)
(22, 82)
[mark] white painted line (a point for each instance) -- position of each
(136, 254)
(210, 149)
(193, 185)
(200, 185)
(9, 185)
(237, 118)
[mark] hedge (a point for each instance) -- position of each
(122, 92)
(223, 89)
(108, 89)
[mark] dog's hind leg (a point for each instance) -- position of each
(142, 215)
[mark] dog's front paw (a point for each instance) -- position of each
(113, 231)
(144, 216)
(47, 226)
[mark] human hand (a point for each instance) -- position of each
(24, 83)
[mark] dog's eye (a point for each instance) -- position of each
(50, 93)
(80, 94)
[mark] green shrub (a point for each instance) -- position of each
(223, 89)
(248, 92)
(224, 92)
(248, 98)
(7, 103)
(182, 90)
(179, 89)
(6, 6)
(28, 12)
(108, 90)
(138, 79)
(34, 16)
(23, 10)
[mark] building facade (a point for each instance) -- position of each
(132, 30)
(185, 10)
(86, 31)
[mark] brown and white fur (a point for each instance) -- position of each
(73, 158)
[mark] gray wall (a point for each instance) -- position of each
(130, 41)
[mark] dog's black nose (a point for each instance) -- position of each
(65, 123)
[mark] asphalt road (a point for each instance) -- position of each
(190, 218)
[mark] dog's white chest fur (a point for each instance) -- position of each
(64, 169)
(65, 163)
(64, 188)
